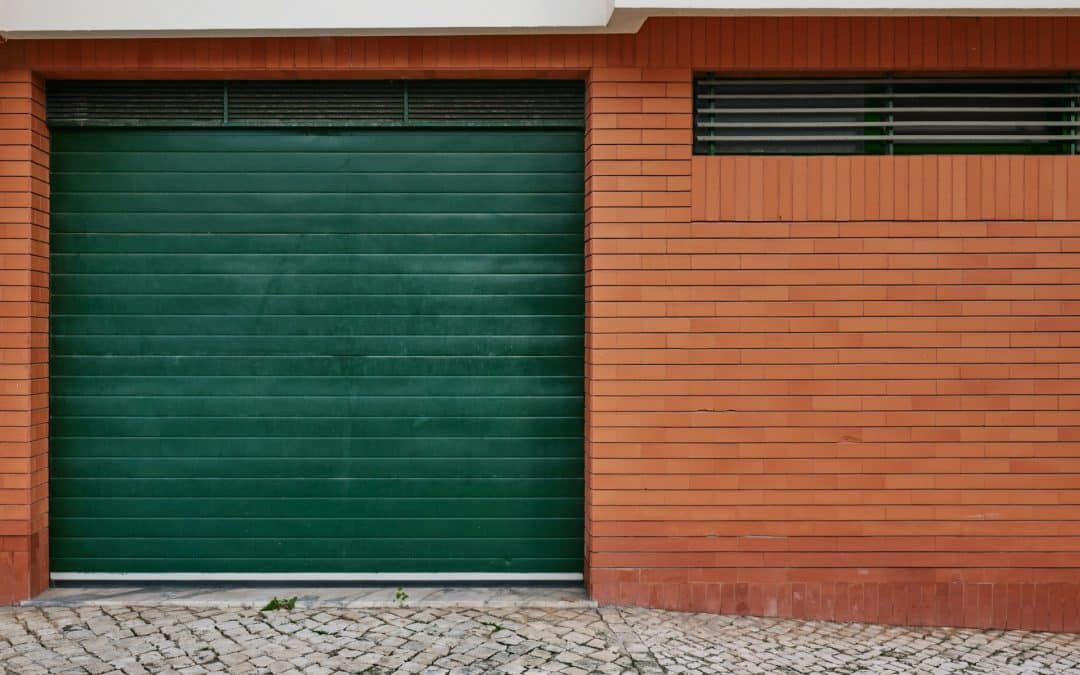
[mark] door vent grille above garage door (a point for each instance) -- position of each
(129, 102)
(392, 103)
(277, 101)
(486, 100)
(887, 115)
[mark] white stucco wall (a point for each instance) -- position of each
(110, 18)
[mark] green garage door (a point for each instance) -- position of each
(317, 350)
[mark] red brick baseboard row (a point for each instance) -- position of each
(1021, 606)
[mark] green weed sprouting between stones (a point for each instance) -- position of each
(276, 604)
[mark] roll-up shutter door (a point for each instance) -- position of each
(300, 330)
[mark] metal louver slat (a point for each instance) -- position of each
(868, 109)
(894, 95)
(906, 80)
(897, 115)
(912, 137)
(928, 123)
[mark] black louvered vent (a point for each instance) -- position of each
(134, 101)
(496, 100)
(313, 103)
(269, 101)
(914, 115)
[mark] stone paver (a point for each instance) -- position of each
(195, 640)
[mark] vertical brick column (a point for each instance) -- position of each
(637, 171)
(24, 315)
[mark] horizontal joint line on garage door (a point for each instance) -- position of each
(316, 576)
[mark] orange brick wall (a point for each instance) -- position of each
(834, 387)
(821, 387)
(24, 311)
(637, 166)
(820, 399)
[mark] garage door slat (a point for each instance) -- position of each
(324, 223)
(328, 508)
(352, 366)
(513, 141)
(111, 490)
(326, 385)
(300, 161)
(324, 182)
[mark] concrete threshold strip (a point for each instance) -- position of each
(349, 597)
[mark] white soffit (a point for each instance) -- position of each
(192, 18)
(177, 18)
(862, 7)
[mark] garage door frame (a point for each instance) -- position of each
(370, 576)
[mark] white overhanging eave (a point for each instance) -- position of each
(27, 19)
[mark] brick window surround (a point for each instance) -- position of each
(819, 387)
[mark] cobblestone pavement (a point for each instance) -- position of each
(706, 643)
(103, 639)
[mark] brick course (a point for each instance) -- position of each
(820, 387)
